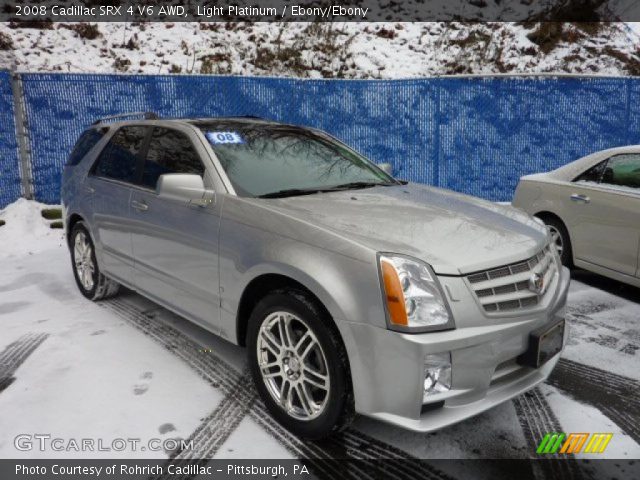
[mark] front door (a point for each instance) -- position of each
(606, 216)
(175, 244)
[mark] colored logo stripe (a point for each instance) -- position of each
(574, 442)
(550, 443)
(598, 442)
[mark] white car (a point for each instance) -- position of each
(592, 208)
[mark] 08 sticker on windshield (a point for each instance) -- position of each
(218, 138)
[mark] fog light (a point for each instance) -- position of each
(437, 374)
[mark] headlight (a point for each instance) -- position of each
(412, 295)
(553, 248)
(540, 221)
(556, 255)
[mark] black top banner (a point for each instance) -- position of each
(30, 11)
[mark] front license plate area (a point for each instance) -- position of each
(544, 343)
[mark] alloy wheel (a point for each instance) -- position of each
(556, 238)
(293, 365)
(83, 259)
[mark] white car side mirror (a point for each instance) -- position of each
(184, 187)
(386, 168)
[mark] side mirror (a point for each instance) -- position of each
(184, 187)
(386, 168)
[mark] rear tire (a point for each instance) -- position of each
(91, 282)
(301, 375)
(561, 239)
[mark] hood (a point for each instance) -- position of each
(454, 233)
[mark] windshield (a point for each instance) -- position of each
(278, 160)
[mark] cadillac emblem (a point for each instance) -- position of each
(536, 284)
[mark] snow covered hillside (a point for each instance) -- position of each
(315, 50)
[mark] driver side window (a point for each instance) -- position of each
(169, 151)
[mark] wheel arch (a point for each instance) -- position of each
(263, 284)
(545, 214)
(71, 222)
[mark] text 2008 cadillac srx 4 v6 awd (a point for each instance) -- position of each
(353, 292)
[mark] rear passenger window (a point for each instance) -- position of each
(119, 159)
(169, 151)
(86, 142)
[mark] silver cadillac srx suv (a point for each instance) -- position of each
(354, 292)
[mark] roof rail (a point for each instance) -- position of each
(145, 115)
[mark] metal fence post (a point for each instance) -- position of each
(437, 140)
(628, 139)
(22, 134)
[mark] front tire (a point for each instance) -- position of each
(561, 240)
(299, 365)
(91, 282)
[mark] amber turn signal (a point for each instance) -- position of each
(393, 294)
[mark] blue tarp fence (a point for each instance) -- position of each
(10, 187)
(476, 135)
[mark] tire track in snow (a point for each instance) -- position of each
(240, 393)
(614, 395)
(537, 419)
(15, 354)
(223, 421)
(5, 381)
(215, 429)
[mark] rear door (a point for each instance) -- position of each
(109, 183)
(605, 213)
(175, 244)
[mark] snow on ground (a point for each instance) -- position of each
(605, 327)
(92, 376)
(26, 233)
(130, 369)
(577, 417)
(349, 50)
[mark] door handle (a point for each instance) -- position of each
(89, 189)
(580, 198)
(140, 206)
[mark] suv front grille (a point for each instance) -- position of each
(507, 288)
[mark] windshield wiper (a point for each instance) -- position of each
(354, 185)
(290, 192)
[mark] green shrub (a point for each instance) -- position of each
(52, 213)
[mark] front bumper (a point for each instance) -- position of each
(388, 367)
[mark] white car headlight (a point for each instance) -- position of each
(413, 297)
(551, 245)
(540, 221)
